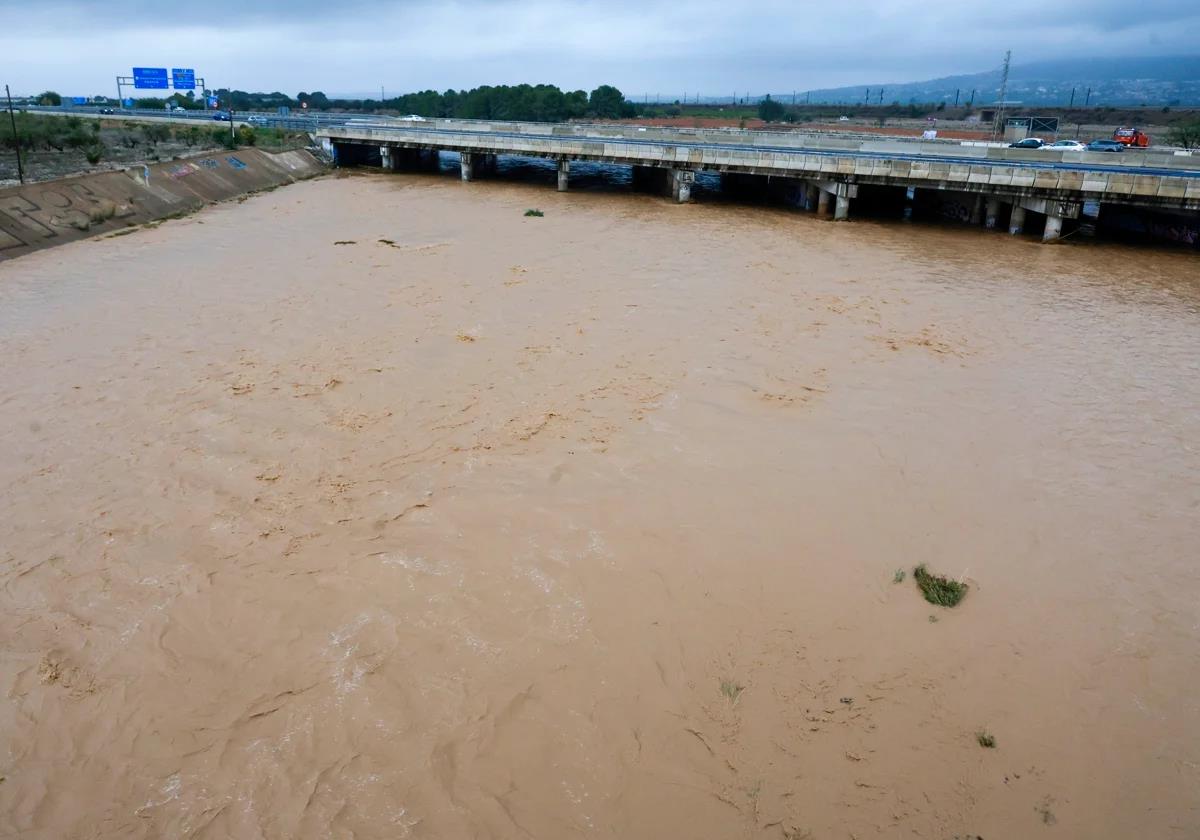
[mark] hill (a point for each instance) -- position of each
(1165, 80)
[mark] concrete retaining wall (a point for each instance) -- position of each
(52, 212)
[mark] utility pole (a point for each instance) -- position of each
(1072, 105)
(956, 91)
(16, 138)
(232, 132)
(999, 123)
(1088, 100)
(867, 97)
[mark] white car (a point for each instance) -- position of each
(414, 118)
(1065, 146)
(256, 119)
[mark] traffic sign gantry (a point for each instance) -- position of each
(150, 77)
(183, 79)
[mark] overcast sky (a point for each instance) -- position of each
(642, 46)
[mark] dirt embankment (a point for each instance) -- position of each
(53, 212)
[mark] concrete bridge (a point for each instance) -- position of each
(822, 173)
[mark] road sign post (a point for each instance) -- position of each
(156, 78)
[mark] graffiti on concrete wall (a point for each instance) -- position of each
(43, 211)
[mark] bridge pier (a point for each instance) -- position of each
(976, 217)
(839, 190)
(564, 174)
(467, 165)
(1053, 229)
(681, 184)
(1016, 222)
(822, 202)
(811, 196)
(841, 210)
(992, 214)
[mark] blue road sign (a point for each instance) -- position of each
(128, 103)
(150, 77)
(183, 79)
(78, 100)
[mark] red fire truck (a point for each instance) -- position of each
(1132, 137)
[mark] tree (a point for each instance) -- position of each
(1186, 135)
(606, 102)
(156, 133)
(49, 97)
(769, 110)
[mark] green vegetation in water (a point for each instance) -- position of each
(986, 739)
(534, 212)
(898, 577)
(937, 589)
(345, 242)
(731, 690)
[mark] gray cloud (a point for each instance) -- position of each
(668, 48)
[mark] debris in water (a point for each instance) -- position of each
(937, 589)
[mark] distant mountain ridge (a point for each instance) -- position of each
(1156, 81)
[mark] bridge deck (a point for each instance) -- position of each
(1170, 181)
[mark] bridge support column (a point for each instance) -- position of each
(467, 165)
(841, 211)
(822, 202)
(992, 213)
(976, 217)
(681, 184)
(811, 197)
(1053, 228)
(1016, 222)
(564, 174)
(842, 191)
(386, 159)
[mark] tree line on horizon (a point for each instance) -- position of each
(541, 103)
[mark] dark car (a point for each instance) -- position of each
(1105, 146)
(222, 116)
(1028, 143)
(107, 111)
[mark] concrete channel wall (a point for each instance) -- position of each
(50, 213)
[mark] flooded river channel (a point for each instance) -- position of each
(371, 507)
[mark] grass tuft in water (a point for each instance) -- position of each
(534, 212)
(986, 739)
(732, 690)
(937, 589)
(898, 577)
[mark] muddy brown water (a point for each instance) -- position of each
(587, 525)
